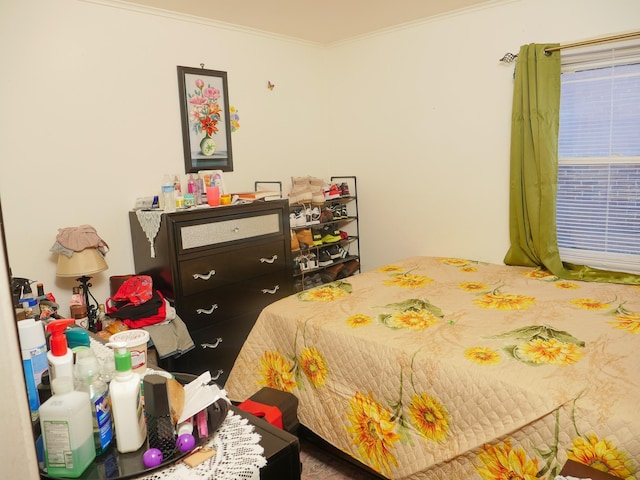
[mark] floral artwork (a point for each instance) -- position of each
(206, 119)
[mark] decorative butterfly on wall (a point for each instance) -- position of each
(270, 85)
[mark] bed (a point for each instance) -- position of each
(443, 368)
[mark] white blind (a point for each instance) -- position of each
(598, 203)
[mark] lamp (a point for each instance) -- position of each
(82, 264)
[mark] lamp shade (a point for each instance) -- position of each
(84, 262)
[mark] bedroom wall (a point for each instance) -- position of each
(420, 114)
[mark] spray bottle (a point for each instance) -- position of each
(59, 357)
(126, 402)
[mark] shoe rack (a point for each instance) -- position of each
(326, 237)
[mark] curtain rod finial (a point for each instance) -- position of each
(508, 58)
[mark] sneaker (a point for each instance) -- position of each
(300, 190)
(328, 235)
(297, 218)
(331, 192)
(312, 260)
(305, 238)
(316, 236)
(344, 213)
(312, 216)
(324, 258)
(303, 262)
(343, 235)
(344, 189)
(334, 251)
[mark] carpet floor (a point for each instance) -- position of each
(318, 463)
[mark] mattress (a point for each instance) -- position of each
(444, 368)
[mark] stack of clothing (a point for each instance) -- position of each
(138, 305)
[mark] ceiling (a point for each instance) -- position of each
(323, 22)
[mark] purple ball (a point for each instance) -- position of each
(186, 442)
(152, 458)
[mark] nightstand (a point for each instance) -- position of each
(579, 470)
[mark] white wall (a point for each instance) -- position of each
(420, 114)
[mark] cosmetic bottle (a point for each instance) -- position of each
(87, 379)
(160, 429)
(168, 194)
(34, 359)
(65, 421)
(59, 357)
(126, 402)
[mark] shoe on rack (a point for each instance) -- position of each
(333, 271)
(316, 236)
(324, 258)
(312, 215)
(295, 245)
(344, 213)
(343, 235)
(317, 194)
(328, 235)
(312, 260)
(350, 267)
(297, 218)
(326, 215)
(331, 192)
(334, 251)
(300, 191)
(303, 261)
(344, 189)
(305, 239)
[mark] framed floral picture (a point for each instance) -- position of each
(204, 110)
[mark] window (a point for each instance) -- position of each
(598, 202)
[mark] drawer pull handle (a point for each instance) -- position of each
(236, 230)
(211, 345)
(206, 276)
(208, 311)
(218, 373)
(269, 260)
(271, 291)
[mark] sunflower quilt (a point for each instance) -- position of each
(441, 368)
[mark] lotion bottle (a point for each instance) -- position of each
(65, 420)
(126, 402)
(59, 357)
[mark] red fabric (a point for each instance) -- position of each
(136, 290)
(161, 316)
(271, 414)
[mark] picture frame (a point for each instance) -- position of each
(204, 112)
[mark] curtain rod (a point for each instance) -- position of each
(510, 57)
(595, 41)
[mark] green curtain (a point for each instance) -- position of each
(534, 169)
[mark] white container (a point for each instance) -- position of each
(136, 343)
(34, 359)
(67, 431)
(126, 402)
(60, 356)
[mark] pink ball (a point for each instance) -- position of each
(186, 442)
(152, 458)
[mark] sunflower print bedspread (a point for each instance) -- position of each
(441, 368)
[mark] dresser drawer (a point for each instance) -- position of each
(192, 236)
(200, 311)
(218, 270)
(216, 348)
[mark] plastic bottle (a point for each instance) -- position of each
(160, 431)
(168, 194)
(34, 359)
(100, 318)
(59, 357)
(65, 420)
(126, 402)
(87, 379)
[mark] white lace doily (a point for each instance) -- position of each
(150, 224)
(239, 456)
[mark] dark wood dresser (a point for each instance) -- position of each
(220, 267)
